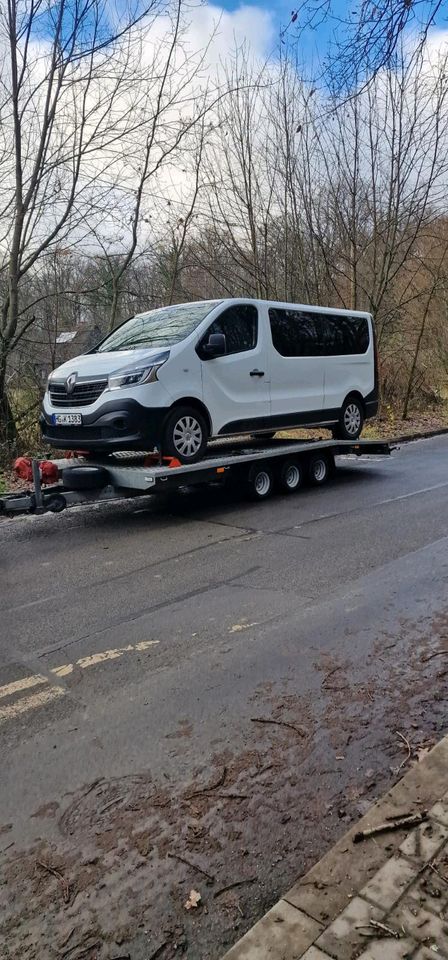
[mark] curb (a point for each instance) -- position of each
(303, 915)
(422, 435)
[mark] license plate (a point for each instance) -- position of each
(67, 419)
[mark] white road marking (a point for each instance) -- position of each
(414, 493)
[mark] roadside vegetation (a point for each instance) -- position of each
(134, 173)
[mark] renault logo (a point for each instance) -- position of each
(70, 382)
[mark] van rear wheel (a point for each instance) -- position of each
(185, 435)
(351, 420)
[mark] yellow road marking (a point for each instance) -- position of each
(242, 626)
(95, 658)
(24, 684)
(64, 670)
(45, 696)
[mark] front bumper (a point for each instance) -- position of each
(116, 425)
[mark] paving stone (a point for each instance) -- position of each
(385, 949)
(430, 892)
(440, 810)
(389, 883)
(285, 933)
(342, 939)
(424, 953)
(315, 954)
(420, 924)
(423, 843)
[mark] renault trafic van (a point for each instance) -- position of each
(176, 376)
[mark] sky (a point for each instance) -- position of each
(272, 16)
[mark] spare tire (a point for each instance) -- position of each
(85, 478)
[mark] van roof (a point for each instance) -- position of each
(298, 306)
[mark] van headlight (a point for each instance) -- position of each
(133, 376)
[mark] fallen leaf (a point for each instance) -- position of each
(193, 900)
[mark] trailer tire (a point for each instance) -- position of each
(260, 482)
(319, 469)
(85, 478)
(290, 478)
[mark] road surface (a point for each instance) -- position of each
(143, 648)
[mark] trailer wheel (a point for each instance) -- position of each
(260, 482)
(85, 478)
(318, 469)
(290, 476)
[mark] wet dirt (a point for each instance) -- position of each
(110, 873)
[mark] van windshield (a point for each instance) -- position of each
(158, 328)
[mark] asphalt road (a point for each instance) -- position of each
(141, 646)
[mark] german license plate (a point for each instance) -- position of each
(67, 419)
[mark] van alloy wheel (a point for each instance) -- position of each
(352, 419)
(187, 436)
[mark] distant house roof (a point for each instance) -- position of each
(67, 336)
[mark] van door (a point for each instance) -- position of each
(349, 363)
(297, 365)
(236, 385)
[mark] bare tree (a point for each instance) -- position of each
(368, 37)
(64, 100)
(172, 125)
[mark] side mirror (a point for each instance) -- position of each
(216, 346)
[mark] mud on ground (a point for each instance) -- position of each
(112, 866)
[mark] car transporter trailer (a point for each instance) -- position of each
(254, 467)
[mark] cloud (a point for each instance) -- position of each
(251, 24)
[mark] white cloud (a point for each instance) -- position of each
(252, 24)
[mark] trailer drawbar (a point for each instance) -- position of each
(256, 468)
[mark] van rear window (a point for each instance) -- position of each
(299, 333)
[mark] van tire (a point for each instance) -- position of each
(185, 435)
(351, 420)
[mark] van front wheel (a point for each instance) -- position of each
(351, 420)
(185, 435)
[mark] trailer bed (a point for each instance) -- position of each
(130, 474)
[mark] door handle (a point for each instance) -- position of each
(257, 373)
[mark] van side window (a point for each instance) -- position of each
(296, 333)
(239, 324)
(345, 335)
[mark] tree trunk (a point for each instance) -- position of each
(114, 305)
(414, 362)
(8, 430)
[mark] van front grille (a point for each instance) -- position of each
(82, 395)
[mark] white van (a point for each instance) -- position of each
(176, 376)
